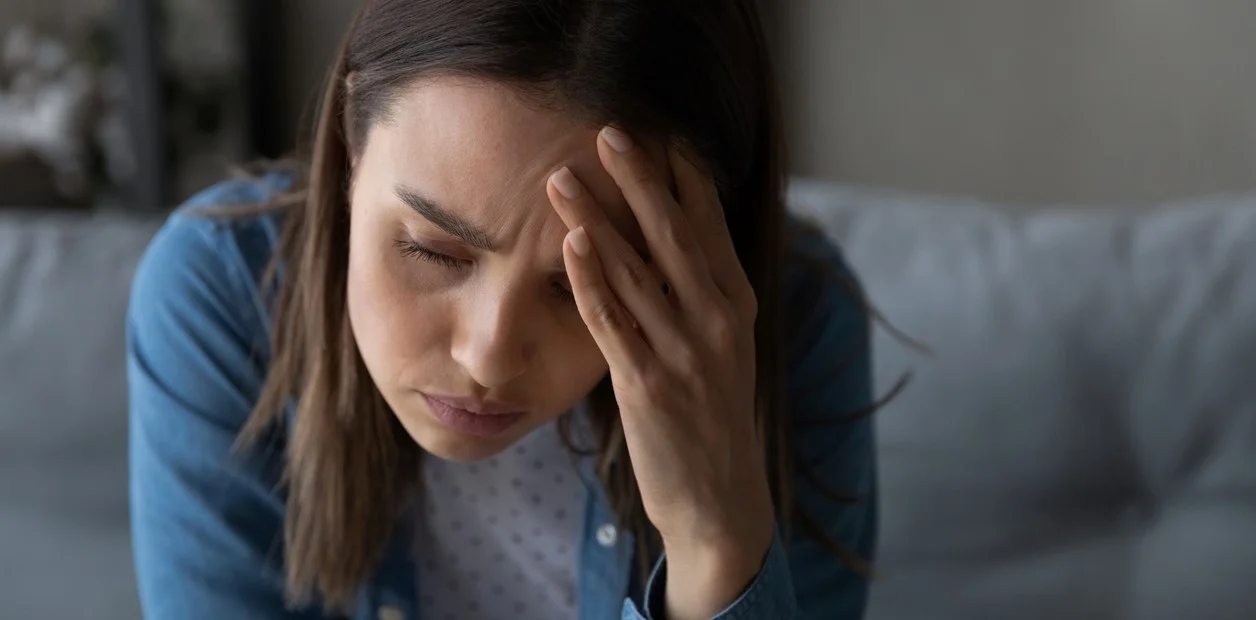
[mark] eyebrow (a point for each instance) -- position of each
(443, 219)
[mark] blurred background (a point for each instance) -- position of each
(1057, 197)
(1020, 101)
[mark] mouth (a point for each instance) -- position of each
(473, 417)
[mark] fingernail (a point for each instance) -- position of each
(579, 241)
(566, 183)
(617, 139)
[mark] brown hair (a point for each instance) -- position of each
(689, 72)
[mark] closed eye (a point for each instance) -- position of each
(411, 249)
(414, 250)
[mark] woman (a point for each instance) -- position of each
(513, 344)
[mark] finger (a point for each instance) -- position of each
(700, 201)
(630, 279)
(609, 322)
(667, 231)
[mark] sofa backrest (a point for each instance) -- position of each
(1082, 442)
(64, 282)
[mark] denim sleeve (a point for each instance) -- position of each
(206, 524)
(830, 391)
(769, 596)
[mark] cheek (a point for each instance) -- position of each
(575, 364)
(392, 324)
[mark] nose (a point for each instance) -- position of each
(492, 342)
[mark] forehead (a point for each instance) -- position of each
(479, 149)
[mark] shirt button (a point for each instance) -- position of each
(607, 535)
(388, 612)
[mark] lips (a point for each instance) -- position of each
(476, 407)
(474, 417)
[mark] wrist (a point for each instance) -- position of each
(744, 525)
(715, 544)
(705, 576)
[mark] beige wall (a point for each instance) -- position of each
(1025, 100)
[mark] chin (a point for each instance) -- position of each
(456, 447)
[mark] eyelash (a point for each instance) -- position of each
(414, 250)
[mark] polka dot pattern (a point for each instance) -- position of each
(498, 538)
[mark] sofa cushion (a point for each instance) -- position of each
(1082, 442)
(64, 282)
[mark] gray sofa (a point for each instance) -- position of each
(1080, 444)
(64, 545)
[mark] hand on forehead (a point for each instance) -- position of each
(581, 157)
(479, 149)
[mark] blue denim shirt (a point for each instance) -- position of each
(207, 522)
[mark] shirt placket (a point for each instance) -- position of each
(606, 553)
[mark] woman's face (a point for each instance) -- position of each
(457, 294)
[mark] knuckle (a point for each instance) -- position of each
(639, 171)
(723, 330)
(687, 362)
(636, 273)
(676, 235)
(750, 305)
(609, 315)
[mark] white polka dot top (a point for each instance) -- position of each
(500, 537)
